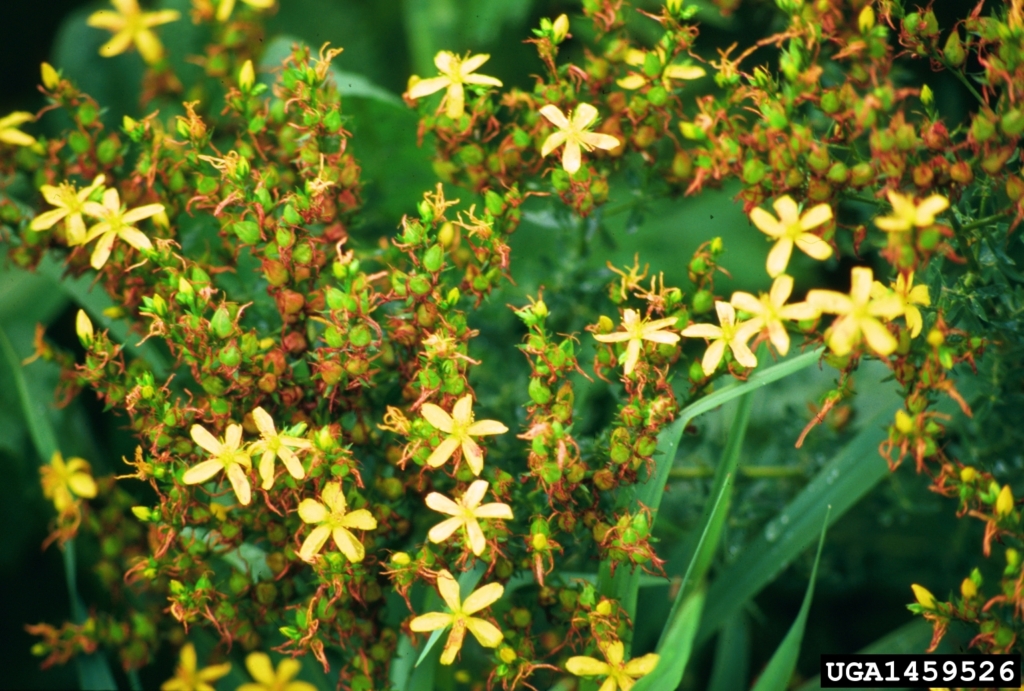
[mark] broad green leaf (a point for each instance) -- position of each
(93, 671)
(841, 483)
(677, 644)
(732, 653)
(912, 637)
(624, 584)
(779, 671)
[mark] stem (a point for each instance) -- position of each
(973, 225)
(963, 80)
(961, 242)
(864, 199)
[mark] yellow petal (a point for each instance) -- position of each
(425, 87)
(475, 536)
(596, 140)
(642, 666)
(571, 157)
(205, 440)
(473, 63)
(240, 484)
(583, 116)
(878, 337)
(486, 633)
(474, 455)
(437, 417)
(632, 356)
(83, 485)
(476, 492)
(149, 46)
(314, 542)
(443, 452)
(448, 588)
(583, 666)
(712, 357)
(815, 216)
(554, 140)
(813, 246)
(778, 257)
(830, 301)
(430, 622)
(348, 545)
(486, 427)
(702, 331)
(201, 472)
(439, 502)
(553, 114)
(444, 530)
(312, 511)
(360, 519)
(455, 101)
(631, 81)
(101, 252)
(264, 423)
(260, 667)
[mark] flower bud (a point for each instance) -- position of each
(967, 589)
(50, 77)
(246, 76)
(904, 423)
(968, 474)
(927, 97)
(400, 559)
(83, 327)
(559, 29)
(954, 52)
(1004, 502)
(923, 596)
(866, 19)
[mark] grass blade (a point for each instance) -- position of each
(625, 584)
(680, 633)
(854, 471)
(729, 669)
(93, 671)
(780, 668)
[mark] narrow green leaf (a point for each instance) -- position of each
(624, 585)
(93, 671)
(780, 668)
(677, 646)
(912, 637)
(844, 480)
(732, 653)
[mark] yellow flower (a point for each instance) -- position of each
(573, 133)
(227, 456)
(459, 617)
(638, 58)
(906, 214)
(791, 229)
(334, 519)
(131, 25)
(188, 678)
(116, 223)
(619, 675)
(636, 330)
(226, 7)
(728, 334)
(910, 296)
(859, 315)
(455, 73)
(771, 310)
(466, 512)
(923, 596)
(62, 482)
(262, 670)
(460, 428)
(273, 445)
(9, 132)
(70, 203)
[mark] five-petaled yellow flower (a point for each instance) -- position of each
(228, 455)
(636, 330)
(226, 7)
(9, 132)
(273, 445)
(859, 315)
(63, 481)
(188, 678)
(620, 675)
(455, 73)
(771, 310)
(70, 203)
(574, 134)
(460, 428)
(910, 295)
(460, 617)
(729, 333)
(906, 214)
(789, 229)
(333, 519)
(267, 679)
(116, 222)
(131, 25)
(466, 513)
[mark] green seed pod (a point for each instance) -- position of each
(221, 322)
(433, 259)
(539, 393)
(703, 301)
(954, 52)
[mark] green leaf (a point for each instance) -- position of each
(780, 668)
(732, 652)
(624, 584)
(841, 483)
(93, 671)
(677, 644)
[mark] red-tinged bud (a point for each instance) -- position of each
(818, 190)
(331, 372)
(290, 302)
(923, 176)
(294, 343)
(275, 272)
(1014, 187)
(274, 362)
(995, 160)
(936, 137)
(644, 137)
(961, 172)
(267, 383)
(862, 174)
